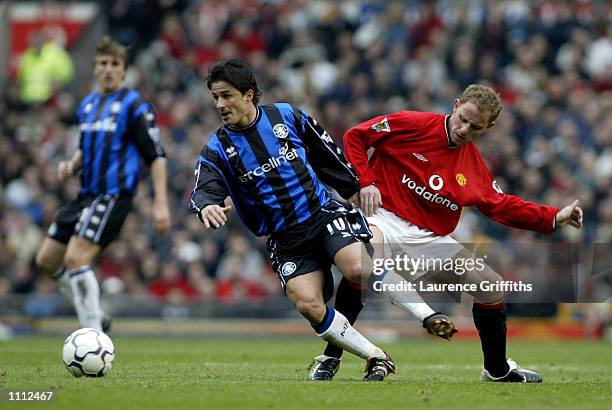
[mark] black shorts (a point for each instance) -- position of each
(312, 245)
(95, 218)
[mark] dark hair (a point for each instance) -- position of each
(107, 47)
(236, 73)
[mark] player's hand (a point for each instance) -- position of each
(65, 170)
(354, 199)
(215, 215)
(161, 217)
(370, 199)
(570, 215)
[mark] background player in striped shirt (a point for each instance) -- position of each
(118, 131)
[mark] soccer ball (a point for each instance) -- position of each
(88, 352)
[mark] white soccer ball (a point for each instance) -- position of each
(88, 352)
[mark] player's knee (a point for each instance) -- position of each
(74, 260)
(357, 273)
(43, 263)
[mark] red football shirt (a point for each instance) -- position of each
(426, 181)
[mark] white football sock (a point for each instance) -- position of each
(86, 297)
(63, 283)
(338, 331)
(408, 301)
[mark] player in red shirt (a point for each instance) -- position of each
(424, 169)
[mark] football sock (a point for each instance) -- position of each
(349, 302)
(63, 283)
(490, 321)
(86, 297)
(409, 301)
(335, 328)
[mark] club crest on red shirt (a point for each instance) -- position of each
(461, 179)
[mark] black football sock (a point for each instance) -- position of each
(490, 320)
(349, 303)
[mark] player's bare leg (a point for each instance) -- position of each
(436, 323)
(50, 259)
(80, 253)
(350, 298)
(50, 256)
(350, 301)
(305, 291)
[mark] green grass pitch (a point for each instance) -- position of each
(233, 373)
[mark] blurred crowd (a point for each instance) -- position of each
(343, 62)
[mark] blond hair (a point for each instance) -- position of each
(107, 47)
(484, 98)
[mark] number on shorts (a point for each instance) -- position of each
(338, 224)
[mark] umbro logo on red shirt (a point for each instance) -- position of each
(421, 157)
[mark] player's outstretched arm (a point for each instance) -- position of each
(210, 188)
(570, 215)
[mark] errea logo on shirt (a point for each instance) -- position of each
(231, 152)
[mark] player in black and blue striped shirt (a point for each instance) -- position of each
(273, 160)
(118, 131)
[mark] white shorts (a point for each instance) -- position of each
(406, 240)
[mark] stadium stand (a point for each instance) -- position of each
(345, 62)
